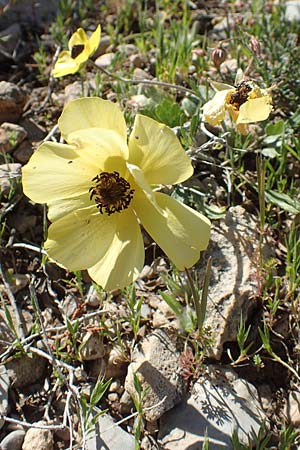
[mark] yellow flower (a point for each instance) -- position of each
(98, 190)
(80, 49)
(246, 103)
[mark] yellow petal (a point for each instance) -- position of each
(81, 238)
(77, 38)
(94, 40)
(90, 112)
(156, 150)
(62, 207)
(140, 184)
(220, 86)
(65, 65)
(214, 110)
(102, 148)
(56, 171)
(124, 258)
(180, 231)
(255, 110)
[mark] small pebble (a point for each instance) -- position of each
(13, 441)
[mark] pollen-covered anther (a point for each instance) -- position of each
(240, 95)
(112, 192)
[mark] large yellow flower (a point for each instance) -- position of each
(80, 49)
(98, 191)
(246, 103)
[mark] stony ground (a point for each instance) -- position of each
(231, 383)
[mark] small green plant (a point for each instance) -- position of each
(242, 336)
(138, 399)
(134, 307)
(90, 407)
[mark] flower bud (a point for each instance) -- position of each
(218, 56)
(255, 45)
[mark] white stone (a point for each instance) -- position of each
(4, 385)
(233, 284)
(155, 362)
(38, 439)
(13, 441)
(292, 10)
(107, 435)
(215, 408)
(292, 409)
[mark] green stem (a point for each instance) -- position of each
(145, 82)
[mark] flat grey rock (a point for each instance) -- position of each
(4, 385)
(155, 361)
(220, 403)
(108, 436)
(233, 248)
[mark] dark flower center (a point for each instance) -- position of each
(112, 193)
(240, 95)
(76, 50)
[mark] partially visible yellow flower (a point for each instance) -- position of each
(80, 49)
(245, 103)
(98, 190)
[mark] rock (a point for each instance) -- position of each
(35, 132)
(38, 439)
(126, 403)
(232, 284)
(215, 408)
(8, 41)
(7, 335)
(103, 46)
(12, 101)
(137, 60)
(13, 441)
(156, 364)
(105, 60)
(29, 12)
(4, 385)
(17, 282)
(76, 90)
(92, 346)
(127, 49)
(163, 315)
(107, 435)
(93, 297)
(292, 408)
(8, 172)
(229, 66)
(292, 11)
(26, 317)
(23, 152)
(140, 74)
(24, 370)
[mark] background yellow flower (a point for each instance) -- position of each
(80, 49)
(246, 103)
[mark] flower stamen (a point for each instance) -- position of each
(76, 50)
(240, 95)
(112, 193)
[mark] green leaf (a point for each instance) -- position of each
(277, 128)
(283, 201)
(189, 107)
(214, 212)
(137, 384)
(270, 152)
(169, 113)
(98, 391)
(174, 304)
